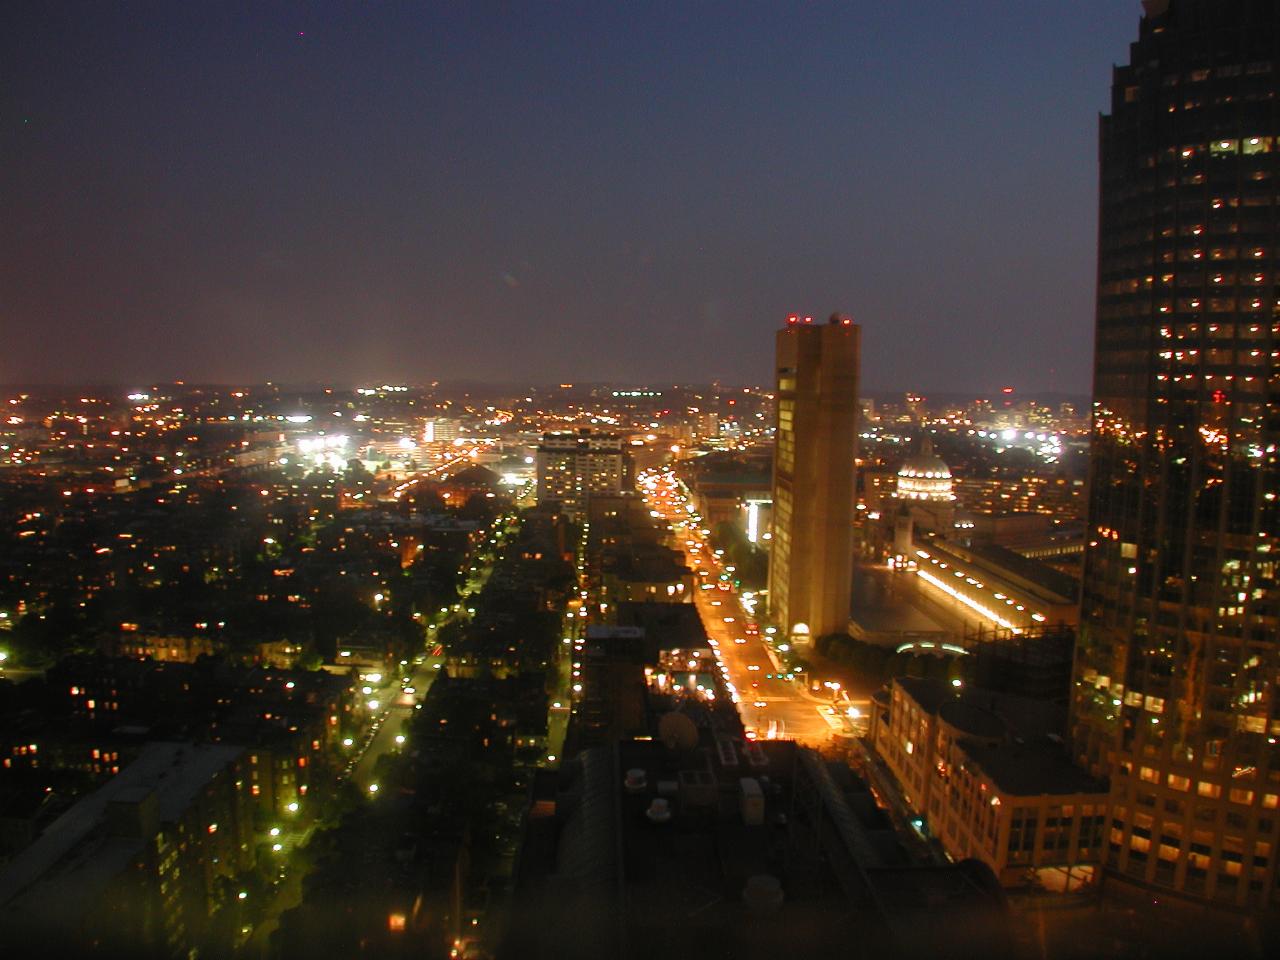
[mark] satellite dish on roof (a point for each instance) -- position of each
(677, 731)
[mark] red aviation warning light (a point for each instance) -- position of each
(792, 320)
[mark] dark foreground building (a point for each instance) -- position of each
(671, 834)
(142, 867)
(1177, 662)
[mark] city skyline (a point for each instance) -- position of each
(405, 549)
(289, 196)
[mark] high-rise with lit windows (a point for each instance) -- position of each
(574, 466)
(811, 563)
(1178, 658)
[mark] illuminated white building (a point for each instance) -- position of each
(573, 466)
(925, 476)
(924, 491)
(441, 430)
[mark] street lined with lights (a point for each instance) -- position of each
(771, 705)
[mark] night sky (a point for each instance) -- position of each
(356, 191)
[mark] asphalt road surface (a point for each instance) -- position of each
(768, 705)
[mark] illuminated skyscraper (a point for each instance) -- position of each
(1175, 693)
(811, 566)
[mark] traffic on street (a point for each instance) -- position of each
(773, 702)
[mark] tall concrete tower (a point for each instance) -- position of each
(811, 566)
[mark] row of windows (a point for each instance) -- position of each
(1195, 279)
(1260, 68)
(1256, 95)
(1227, 147)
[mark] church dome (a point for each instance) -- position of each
(925, 476)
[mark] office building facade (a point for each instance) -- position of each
(574, 466)
(1174, 696)
(988, 773)
(441, 430)
(811, 563)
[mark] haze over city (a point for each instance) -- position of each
(543, 192)
(527, 481)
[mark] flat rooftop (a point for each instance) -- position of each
(1024, 717)
(879, 608)
(1032, 768)
(73, 856)
(1013, 568)
(1029, 758)
(685, 881)
(667, 626)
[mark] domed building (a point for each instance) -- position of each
(924, 492)
(925, 476)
